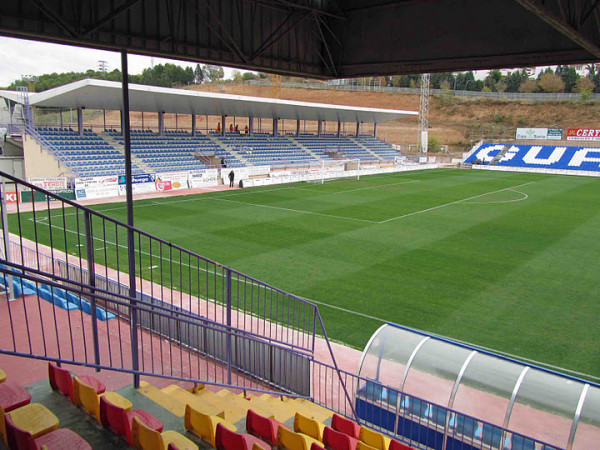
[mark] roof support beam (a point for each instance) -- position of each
(538, 8)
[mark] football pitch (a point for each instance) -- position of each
(506, 261)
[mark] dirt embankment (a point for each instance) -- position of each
(454, 121)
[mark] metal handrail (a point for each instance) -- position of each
(297, 335)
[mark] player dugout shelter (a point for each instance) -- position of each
(400, 367)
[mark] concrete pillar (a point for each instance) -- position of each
(297, 127)
(161, 123)
(80, 121)
(319, 128)
(193, 124)
(339, 128)
(142, 121)
(275, 130)
(357, 129)
(250, 125)
(223, 125)
(375, 129)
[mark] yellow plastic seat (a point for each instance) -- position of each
(204, 425)
(287, 439)
(308, 426)
(148, 439)
(2, 376)
(34, 418)
(362, 446)
(85, 396)
(374, 439)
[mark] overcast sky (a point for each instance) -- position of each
(20, 57)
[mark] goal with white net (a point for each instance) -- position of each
(333, 169)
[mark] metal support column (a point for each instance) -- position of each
(275, 123)
(130, 238)
(357, 129)
(250, 125)
(228, 344)
(143, 121)
(223, 125)
(339, 128)
(298, 128)
(161, 123)
(375, 129)
(80, 121)
(91, 268)
(193, 124)
(319, 128)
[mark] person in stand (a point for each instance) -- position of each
(246, 129)
(231, 177)
(223, 163)
(219, 127)
(231, 128)
(237, 129)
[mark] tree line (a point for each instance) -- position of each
(164, 75)
(563, 79)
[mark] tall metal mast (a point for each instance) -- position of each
(424, 114)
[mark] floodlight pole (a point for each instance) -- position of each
(133, 316)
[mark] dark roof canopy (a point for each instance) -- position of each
(323, 38)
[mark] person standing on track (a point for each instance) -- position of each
(231, 178)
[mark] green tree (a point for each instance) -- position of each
(515, 79)
(550, 82)
(198, 75)
(246, 76)
(529, 86)
(214, 73)
(236, 76)
(569, 76)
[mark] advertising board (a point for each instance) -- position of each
(540, 133)
(167, 181)
(202, 178)
(141, 183)
(583, 134)
(96, 187)
(49, 183)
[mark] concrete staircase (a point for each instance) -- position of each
(500, 155)
(357, 142)
(121, 149)
(228, 148)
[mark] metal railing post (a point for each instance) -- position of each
(89, 254)
(228, 294)
(10, 295)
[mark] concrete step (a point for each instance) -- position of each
(161, 398)
(233, 407)
(187, 398)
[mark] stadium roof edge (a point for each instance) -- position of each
(100, 94)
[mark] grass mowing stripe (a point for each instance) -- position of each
(294, 210)
(453, 203)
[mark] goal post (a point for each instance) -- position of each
(339, 168)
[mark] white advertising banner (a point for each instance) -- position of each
(169, 181)
(49, 183)
(202, 178)
(141, 183)
(96, 187)
(532, 133)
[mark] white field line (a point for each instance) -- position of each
(433, 208)
(525, 197)
(293, 210)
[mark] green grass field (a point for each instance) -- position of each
(502, 260)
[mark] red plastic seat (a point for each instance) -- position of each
(316, 446)
(346, 426)
(19, 439)
(226, 439)
(336, 440)
(172, 447)
(120, 420)
(13, 396)
(395, 445)
(60, 379)
(262, 427)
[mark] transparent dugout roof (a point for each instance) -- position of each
(555, 408)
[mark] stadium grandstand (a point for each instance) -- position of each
(112, 337)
